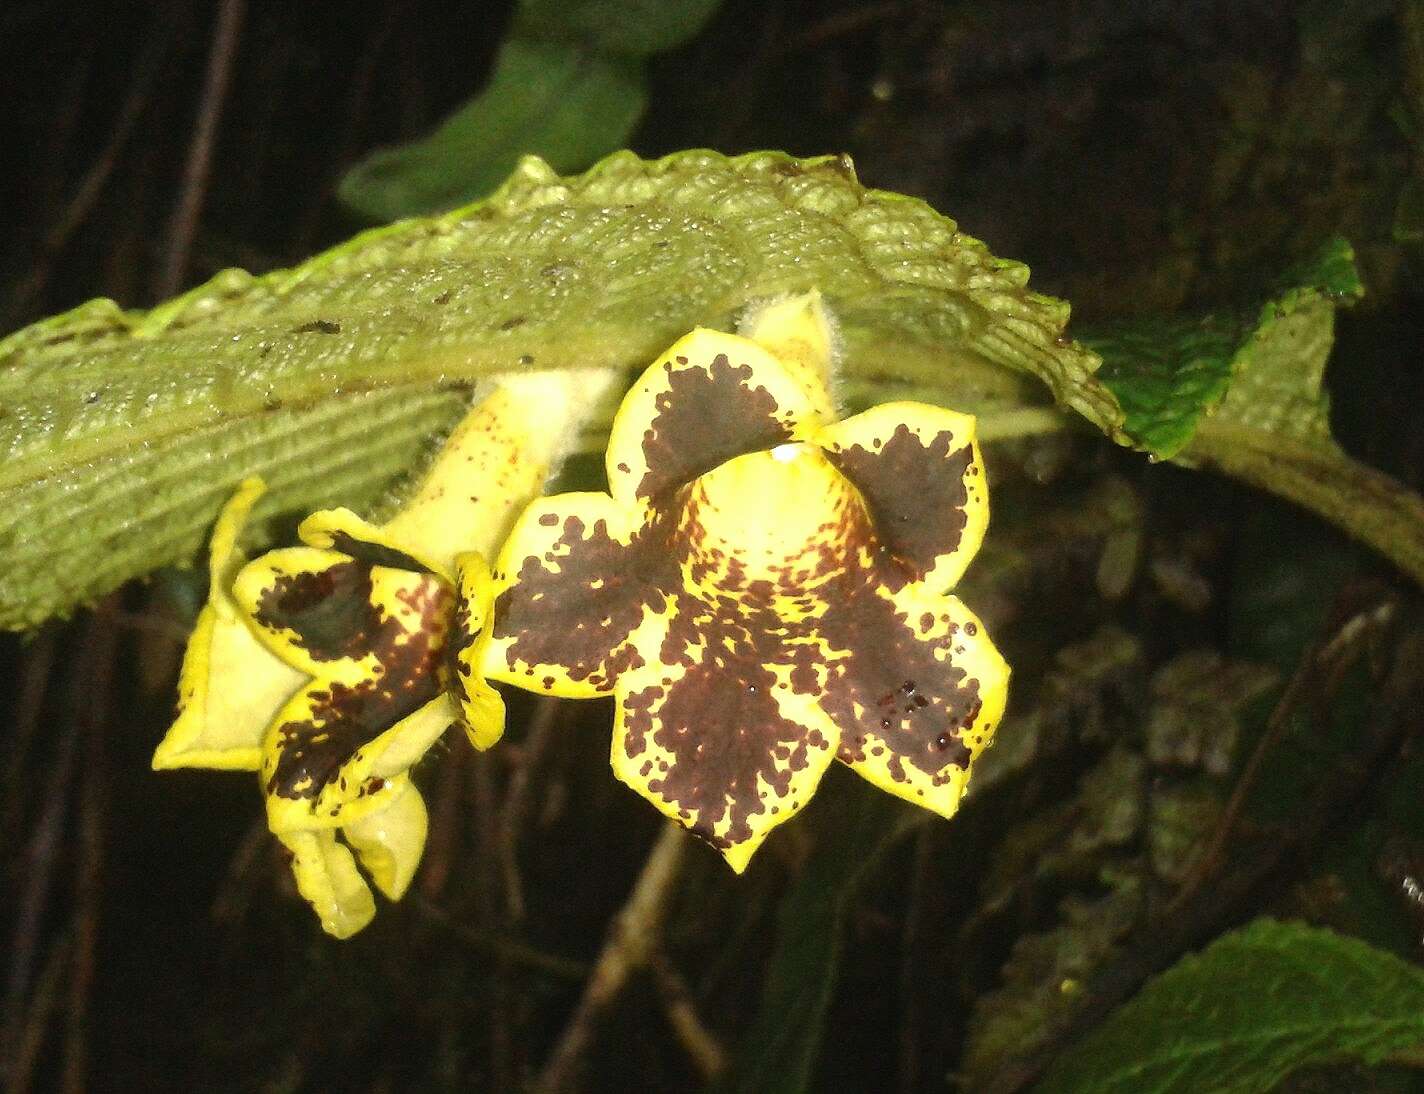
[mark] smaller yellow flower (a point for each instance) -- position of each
(326, 667)
(763, 589)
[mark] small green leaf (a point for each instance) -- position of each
(555, 99)
(568, 86)
(1170, 374)
(1243, 1014)
(1245, 394)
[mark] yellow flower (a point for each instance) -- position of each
(763, 589)
(326, 666)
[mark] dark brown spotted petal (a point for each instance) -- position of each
(916, 689)
(919, 470)
(574, 581)
(725, 747)
(711, 397)
(312, 607)
(399, 670)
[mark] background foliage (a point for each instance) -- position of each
(1213, 716)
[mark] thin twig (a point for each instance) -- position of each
(39, 872)
(517, 796)
(24, 720)
(98, 677)
(631, 939)
(184, 224)
(516, 952)
(86, 195)
(23, 1053)
(681, 1009)
(1329, 658)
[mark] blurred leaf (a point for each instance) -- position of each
(631, 27)
(1247, 1011)
(123, 432)
(779, 1054)
(1098, 860)
(568, 86)
(562, 102)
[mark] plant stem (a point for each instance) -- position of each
(1362, 502)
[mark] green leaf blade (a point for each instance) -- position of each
(596, 271)
(1254, 1006)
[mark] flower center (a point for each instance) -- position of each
(785, 516)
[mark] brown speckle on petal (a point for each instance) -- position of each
(704, 418)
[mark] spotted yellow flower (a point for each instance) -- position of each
(326, 667)
(763, 589)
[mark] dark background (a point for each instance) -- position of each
(1141, 158)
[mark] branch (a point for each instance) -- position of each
(631, 941)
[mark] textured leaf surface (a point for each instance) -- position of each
(1251, 1008)
(1246, 395)
(123, 432)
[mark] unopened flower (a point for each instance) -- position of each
(763, 589)
(326, 667)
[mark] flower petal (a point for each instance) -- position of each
(327, 878)
(919, 468)
(571, 587)
(711, 397)
(727, 748)
(917, 691)
(312, 607)
(797, 330)
(387, 695)
(218, 725)
(494, 460)
(481, 706)
(390, 841)
(342, 531)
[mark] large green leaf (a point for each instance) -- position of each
(1247, 1011)
(123, 432)
(568, 86)
(633, 28)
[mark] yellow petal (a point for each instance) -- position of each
(493, 462)
(919, 469)
(786, 517)
(231, 686)
(481, 706)
(328, 879)
(338, 736)
(917, 689)
(570, 589)
(729, 750)
(310, 607)
(389, 842)
(797, 330)
(343, 532)
(711, 397)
